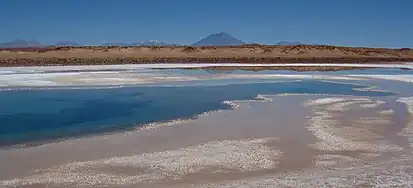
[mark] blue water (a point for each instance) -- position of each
(28, 116)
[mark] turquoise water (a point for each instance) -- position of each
(28, 116)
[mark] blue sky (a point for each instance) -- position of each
(375, 23)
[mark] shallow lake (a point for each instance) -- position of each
(28, 116)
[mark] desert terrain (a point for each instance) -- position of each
(96, 55)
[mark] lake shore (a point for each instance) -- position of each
(223, 149)
(138, 74)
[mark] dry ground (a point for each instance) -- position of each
(185, 54)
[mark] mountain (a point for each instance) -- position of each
(115, 44)
(67, 43)
(151, 43)
(20, 44)
(142, 43)
(288, 43)
(219, 39)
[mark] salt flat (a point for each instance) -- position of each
(143, 74)
(402, 77)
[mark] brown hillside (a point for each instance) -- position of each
(182, 54)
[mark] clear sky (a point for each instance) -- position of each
(375, 23)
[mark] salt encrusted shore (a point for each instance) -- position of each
(115, 75)
(409, 103)
(334, 137)
(406, 65)
(390, 173)
(116, 79)
(243, 155)
(248, 146)
(408, 130)
(402, 77)
(234, 104)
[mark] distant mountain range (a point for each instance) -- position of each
(115, 44)
(20, 44)
(225, 39)
(142, 43)
(288, 43)
(219, 39)
(152, 43)
(67, 43)
(32, 43)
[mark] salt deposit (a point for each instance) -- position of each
(333, 137)
(239, 155)
(332, 100)
(122, 78)
(141, 74)
(392, 173)
(408, 130)
(387, 112)
(264, 98)
(329, 161)
(372, 104)
(402, 77)
(409, 103)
